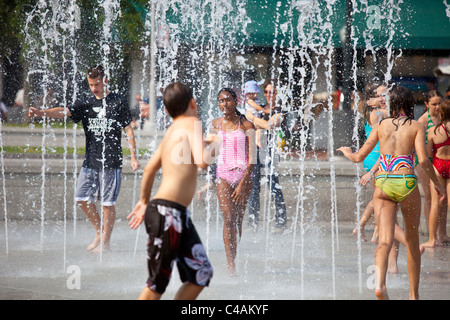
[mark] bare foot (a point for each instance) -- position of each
(103, 248)
(393, 257)
(231, 270)
(381, 294)
(375, 236)
(393, 267)
(431, 244)
(444, 240)
(422, 249)
(94, 244)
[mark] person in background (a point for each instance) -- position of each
(252, 103)
(268, 157)
(430, 118)
(103, 117)
(438, 147)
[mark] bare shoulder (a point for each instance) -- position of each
(423, 120)
(417, 124)
(247, 124)
(431, 131)
(185, 122)
(216, 122)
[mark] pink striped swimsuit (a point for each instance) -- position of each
(233, 157)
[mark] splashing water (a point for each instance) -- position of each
(206, 44)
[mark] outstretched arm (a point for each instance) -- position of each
(273, 122)
(54, 113)
(256, 106)
(367, 147)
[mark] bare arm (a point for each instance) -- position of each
(150, 170)
(367, 147)
(430, 142)
(254, 105)
(419, 144)
(369, 175)
(54, 113)
(132, 143)
(199, 146)
(273, 122)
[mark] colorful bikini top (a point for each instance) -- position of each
(445, 143)
(234, 149)
(395, 162)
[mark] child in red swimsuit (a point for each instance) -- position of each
(439, 146)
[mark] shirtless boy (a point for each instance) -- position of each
(172, 235)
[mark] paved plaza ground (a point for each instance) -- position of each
(271, 265)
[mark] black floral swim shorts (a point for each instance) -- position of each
(172, 237)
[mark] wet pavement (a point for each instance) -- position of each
(43, 257)
(49, 262)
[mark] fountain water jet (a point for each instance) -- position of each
(206, 47)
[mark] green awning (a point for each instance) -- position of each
(412, 24)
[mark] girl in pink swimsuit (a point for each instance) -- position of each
(234, 170)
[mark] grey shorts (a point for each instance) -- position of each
(92, 183)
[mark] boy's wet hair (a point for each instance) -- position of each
(176, 98)
(96, 72)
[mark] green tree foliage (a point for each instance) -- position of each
(129, 30)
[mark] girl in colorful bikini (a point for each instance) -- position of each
(438, 148)
(234, 170)
(430, 118)
(398, 135)
(372, 164)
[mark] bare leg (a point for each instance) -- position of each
(411, 215)
(399, 237)
(436, 208)
(91, 213)
(385, 211)
(442, 224)
(374, 239)
(109, 218)
(148, 294)
(442, 227)
(363, 221)
(425, 182)
(224, 192)
(188, 291)
(393, 257)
